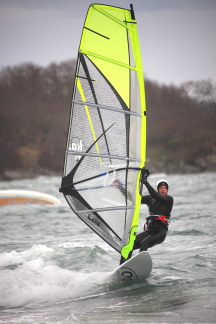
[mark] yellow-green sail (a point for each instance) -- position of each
(106, 143)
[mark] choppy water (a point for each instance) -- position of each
(54, 270)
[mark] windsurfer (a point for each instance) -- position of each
(160, 205)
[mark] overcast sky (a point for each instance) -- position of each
(177, 37)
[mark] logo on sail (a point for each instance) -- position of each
(76, 146)
(93, 220)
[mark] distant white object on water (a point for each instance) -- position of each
(17, 197)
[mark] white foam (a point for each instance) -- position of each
(33, 276)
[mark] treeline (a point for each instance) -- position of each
(181, 126)
(34, 114)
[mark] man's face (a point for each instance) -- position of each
(163, 190)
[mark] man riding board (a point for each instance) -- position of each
(160, 205)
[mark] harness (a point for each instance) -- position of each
(162, 218)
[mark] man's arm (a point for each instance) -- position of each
(167, 200)
(145, 199)
(118, 185)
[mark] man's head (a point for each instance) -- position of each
(162, 187)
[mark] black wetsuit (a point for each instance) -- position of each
(156, 228)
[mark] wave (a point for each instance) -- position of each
(191, 232)
(42, 275)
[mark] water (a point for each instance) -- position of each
(54, 270)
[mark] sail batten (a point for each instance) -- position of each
(106, 209)
(106, 141)
(104, 58)
(81, 103)
(93, 31)
(102, 155)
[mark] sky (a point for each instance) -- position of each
(177, 37)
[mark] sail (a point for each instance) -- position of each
(106, 142)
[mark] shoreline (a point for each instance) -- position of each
(169, 168)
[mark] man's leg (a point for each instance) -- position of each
(152, 240)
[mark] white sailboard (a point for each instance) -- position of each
(20, 197)
(106, 142)
(137, 268)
